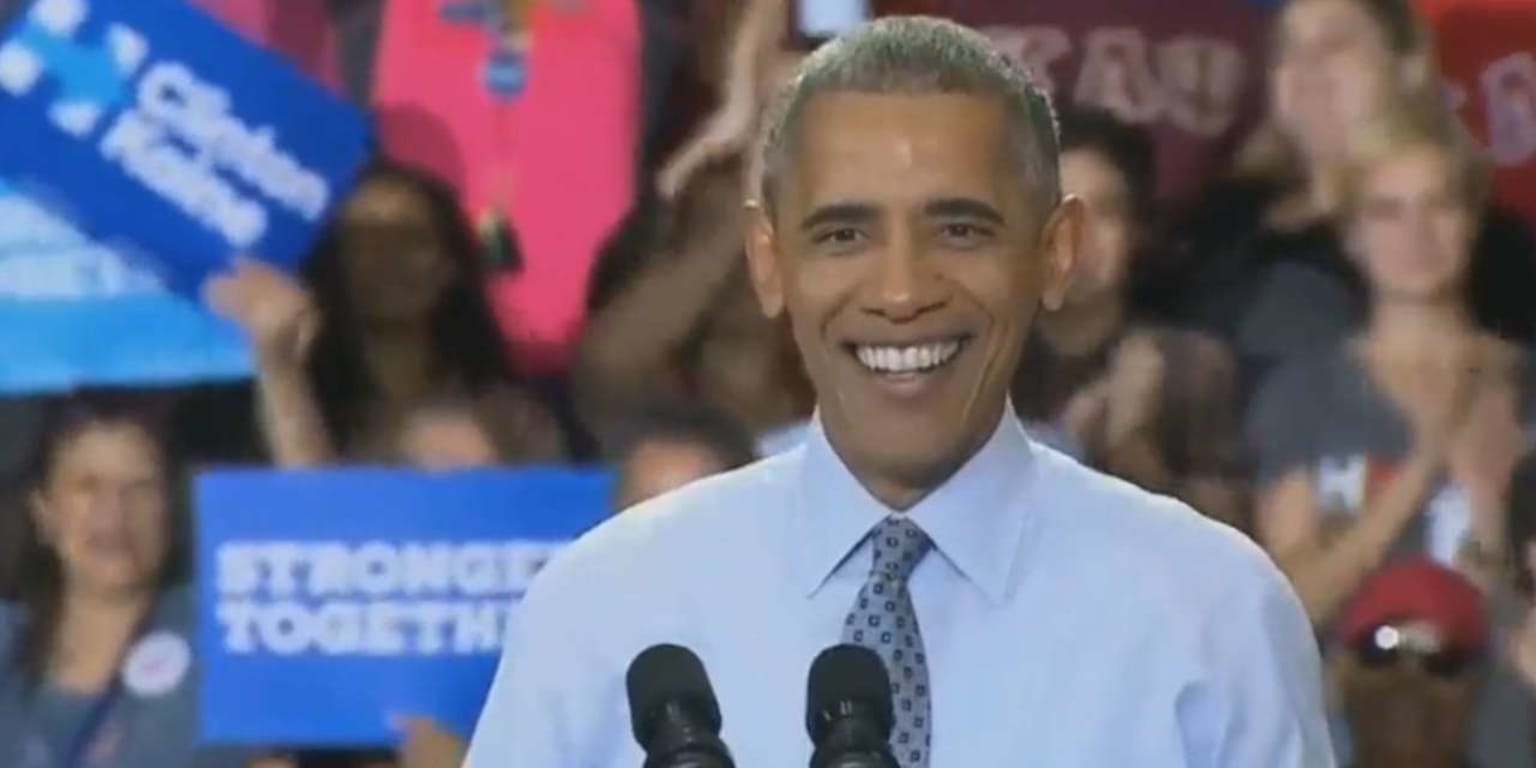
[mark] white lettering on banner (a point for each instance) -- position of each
(1202, 83)
(356, 627)
(198, 114)
(140, 146)
(373, 598)
(43, 257)
(1194, 82)
(1035, 48)
(1117, 75)
(179, 136)
(1509, 85)
(285, 569)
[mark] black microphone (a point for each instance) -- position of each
(848, 709)
(673, 711)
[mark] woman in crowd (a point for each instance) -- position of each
(1259, 261)
(677, 317)
(391, 314)
(96, 666)
(1353, 442)
(1153, 406)
(1399, 440)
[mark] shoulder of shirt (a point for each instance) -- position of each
(690, 522)
(1161, 544)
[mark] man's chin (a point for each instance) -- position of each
(899, 463)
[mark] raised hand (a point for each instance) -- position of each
(726, 133)
(273, 308)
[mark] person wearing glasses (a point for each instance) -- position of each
(1412, 650)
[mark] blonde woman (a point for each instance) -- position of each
(1259, 263)
(1399, 440)
(1401, 437)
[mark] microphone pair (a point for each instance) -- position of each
(676, 718)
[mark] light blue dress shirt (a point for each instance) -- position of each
(1071, 621)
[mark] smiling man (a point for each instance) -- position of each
(1032, 612)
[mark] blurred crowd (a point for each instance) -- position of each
(1306, 306)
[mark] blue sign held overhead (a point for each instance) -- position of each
(160, 127)
(77, 312)
(331, 602)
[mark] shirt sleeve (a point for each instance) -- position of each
(1261, 702)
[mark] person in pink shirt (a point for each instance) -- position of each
(533, 115)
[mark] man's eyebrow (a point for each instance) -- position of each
(839, 213)
(963, 207)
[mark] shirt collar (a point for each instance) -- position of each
(976, 519)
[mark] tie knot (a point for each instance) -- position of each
(899, 547)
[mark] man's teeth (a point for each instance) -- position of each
(907, 359)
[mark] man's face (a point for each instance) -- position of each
(1408, 709)
(906, 248)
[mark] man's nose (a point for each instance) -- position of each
(907, 286)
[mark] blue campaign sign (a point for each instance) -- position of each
(331, 601)
(157, 126)
(76, 312)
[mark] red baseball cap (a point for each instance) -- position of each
(1418, 590)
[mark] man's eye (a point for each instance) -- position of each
(840, 236)
(963, 232)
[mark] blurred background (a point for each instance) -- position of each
(1307, 307)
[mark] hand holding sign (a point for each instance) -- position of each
(273, 308)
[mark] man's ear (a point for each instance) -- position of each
(763, 259)
(1061, 242)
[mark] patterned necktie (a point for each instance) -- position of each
(883, 621)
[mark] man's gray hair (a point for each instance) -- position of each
(919, 55)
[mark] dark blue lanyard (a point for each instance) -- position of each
(101, 707)
(95, 718)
